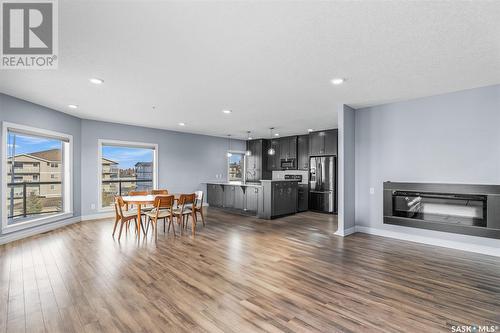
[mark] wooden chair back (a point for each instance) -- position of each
(159, 192)
(119, 203)
(199, 199)
(186, 199)
(164, 201)
(132, 193)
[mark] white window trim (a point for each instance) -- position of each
(120, 143)
(244, 178)
(67, 178)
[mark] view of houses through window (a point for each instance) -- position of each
(236, 166)
(125, 169)
(34, 176)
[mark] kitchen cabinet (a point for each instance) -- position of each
(239, 197)
(303, 198)
(331, 141)
(251, 196)
(228, 196)
(283, 198)
(303, 152)
(256, 162)
(288, 148)
(215, 195)
(274, 161)
(323, 142)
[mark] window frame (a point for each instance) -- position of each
(67, 178)
(126, 144)
(244, 175)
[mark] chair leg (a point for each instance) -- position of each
(142, 227)
(120, 233)
(171, 222)
(156, 231)
(202, 216)
(116, 224)
(147, 225)
(193, 222)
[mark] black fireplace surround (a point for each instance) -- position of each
(458, 208)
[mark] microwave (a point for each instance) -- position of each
(288, 164)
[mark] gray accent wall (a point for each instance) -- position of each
(185, 161)
(18, 111)
(452, 138)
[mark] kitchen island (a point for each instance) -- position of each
(267, 199)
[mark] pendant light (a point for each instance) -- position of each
(248, 152)
(229, 150)
(271, 150)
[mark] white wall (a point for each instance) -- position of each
(452, 138)
(346, 172)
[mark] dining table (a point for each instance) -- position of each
(142, 200)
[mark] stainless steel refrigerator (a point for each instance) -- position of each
(322, 184)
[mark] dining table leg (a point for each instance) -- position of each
(139, 221)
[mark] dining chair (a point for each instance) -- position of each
(198, 206)
(183, 211)
(123, 216)
(163, 209)
(159, 192)
(145, 208)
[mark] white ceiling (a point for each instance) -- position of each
(269, 62)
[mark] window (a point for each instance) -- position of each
(30, 194)
(125, 167)
(236, 166)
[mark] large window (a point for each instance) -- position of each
(36, 182)
(125, 167)
(236, 166)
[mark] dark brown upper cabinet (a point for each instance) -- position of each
(323, 142)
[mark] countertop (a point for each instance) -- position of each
(218, 182)
(234, 184)
(280, 180)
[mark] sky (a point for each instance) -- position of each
(30, 144)
(126, 157)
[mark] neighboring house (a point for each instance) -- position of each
(43, 166)
(144, 171)
(33, 169)
(109, 172)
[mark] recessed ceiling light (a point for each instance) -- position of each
(310, 130)
(276, 134)
(227, 111)
(250, 138)
(338, 80)
(95, 80)
(182, 124)
(72, 106)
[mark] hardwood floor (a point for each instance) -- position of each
(240, 274)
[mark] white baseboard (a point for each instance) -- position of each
(489, 250)
(97, 216)
(7, 238)
(346, 232)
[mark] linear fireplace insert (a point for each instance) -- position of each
(458, 208)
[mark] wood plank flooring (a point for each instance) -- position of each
(240, 274)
